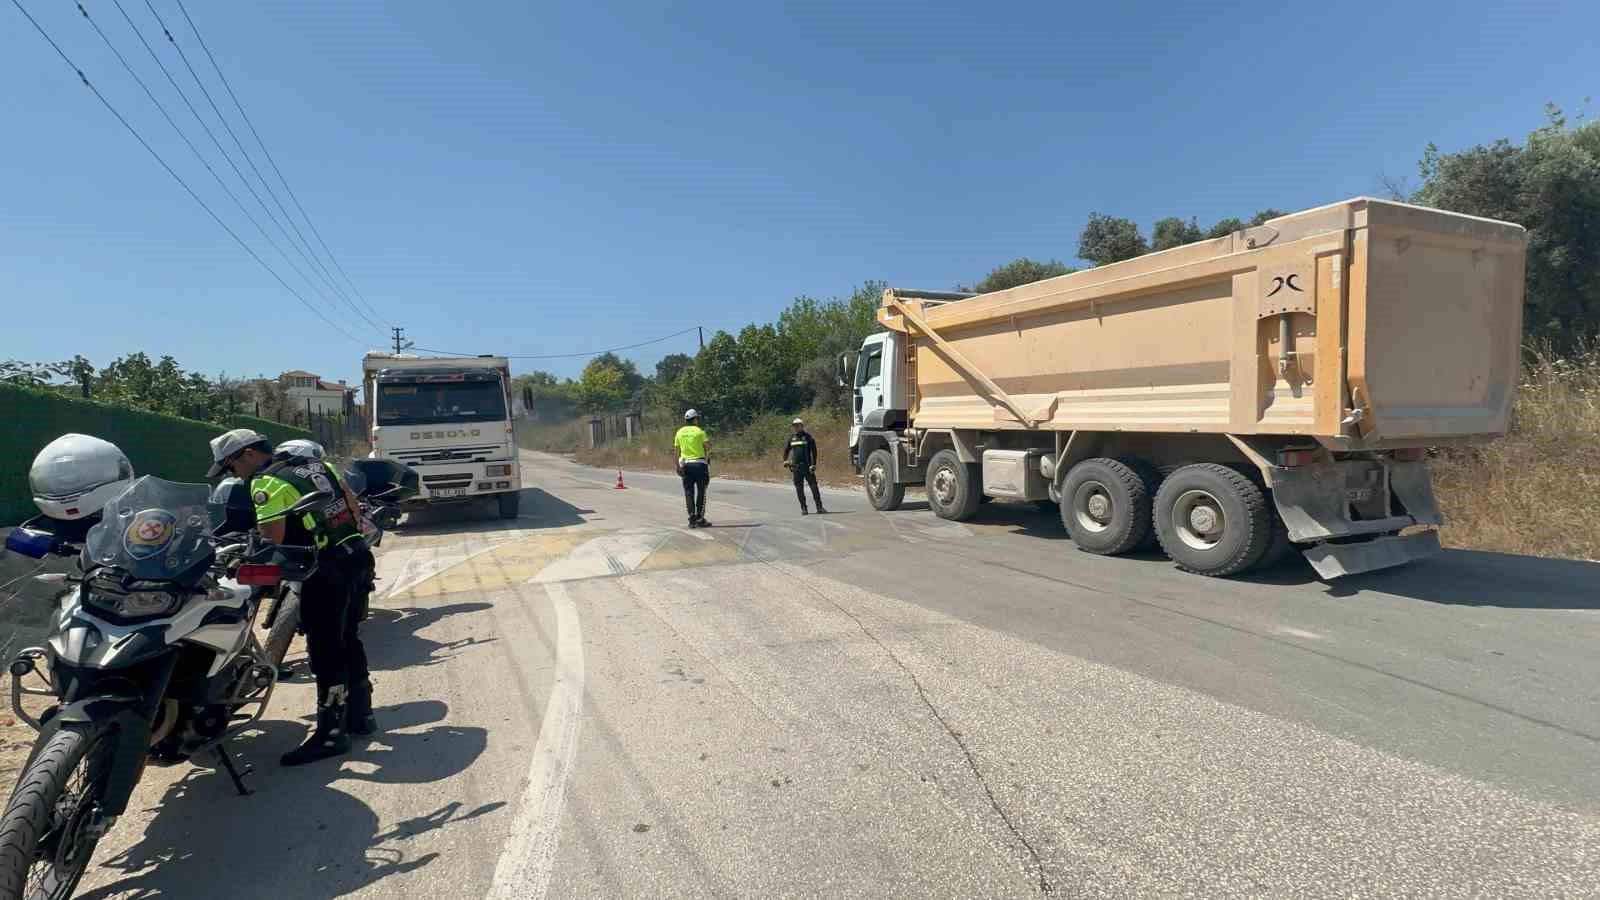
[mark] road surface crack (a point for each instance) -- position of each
(955, 736)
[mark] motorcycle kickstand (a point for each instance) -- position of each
(233, 772)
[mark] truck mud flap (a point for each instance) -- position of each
(1413, 487)
(1337, 560)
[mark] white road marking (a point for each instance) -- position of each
(1301, 633)
(417, 566)
(529, 854)
(602, 556)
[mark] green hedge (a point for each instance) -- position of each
(168, 446)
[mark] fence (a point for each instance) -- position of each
(339, 433)
(171, 447)
(609, 427)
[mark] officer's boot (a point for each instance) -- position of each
(329, 738)
(362, 722)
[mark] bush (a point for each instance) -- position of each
(1535, 491)
(167, 446)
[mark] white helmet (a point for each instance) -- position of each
(299, 448)
(691, 414)
(76, 475)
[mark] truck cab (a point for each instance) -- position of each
(878, 388)
(450, 422)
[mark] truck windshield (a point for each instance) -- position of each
(423, 404)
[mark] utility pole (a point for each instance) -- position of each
(702, 330)
(400, 342)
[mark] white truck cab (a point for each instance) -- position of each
(878, 396)
(449, 419)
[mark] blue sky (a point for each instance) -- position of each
(501, 178)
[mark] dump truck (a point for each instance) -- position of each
(448, 418)
(1231, 400)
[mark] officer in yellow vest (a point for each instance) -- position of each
(338, 659)
(694, 467)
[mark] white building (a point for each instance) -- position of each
(304, 389)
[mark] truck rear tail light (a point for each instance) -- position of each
(1289, 459)
(1411, 454)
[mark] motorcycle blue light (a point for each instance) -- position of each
(30, 543)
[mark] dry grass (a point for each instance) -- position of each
(752, 453)
(1537, 490)
(560, 437)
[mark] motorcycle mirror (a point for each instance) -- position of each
(231, 509)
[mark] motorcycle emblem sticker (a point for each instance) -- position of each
(149, 533)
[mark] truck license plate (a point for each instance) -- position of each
(450, 492)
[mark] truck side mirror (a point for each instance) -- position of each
(841, 371)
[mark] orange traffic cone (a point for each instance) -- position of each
(620, 485)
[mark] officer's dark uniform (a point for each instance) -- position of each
(328, 597)
(801, 454)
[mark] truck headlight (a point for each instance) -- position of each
(497, 471)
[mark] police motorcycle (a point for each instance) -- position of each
(151, 659)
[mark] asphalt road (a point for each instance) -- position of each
(593, 701)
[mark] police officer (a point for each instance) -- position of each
(800, 456)
(367, 567)
(694, 467)
(338, 659)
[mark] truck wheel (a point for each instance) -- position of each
(1152, 483)
(878, 478)
(1105, 506)
(953, 486)
(1212, 520)
(509, 504)
(1279, 548)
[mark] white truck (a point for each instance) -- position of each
(449, 419)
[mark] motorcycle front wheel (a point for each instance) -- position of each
(49, 830)
(283, 629)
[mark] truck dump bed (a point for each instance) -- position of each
(1403, 327)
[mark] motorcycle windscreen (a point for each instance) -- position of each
(154, 530)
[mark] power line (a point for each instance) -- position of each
(314, 264)
(573, 355)
(160, 107)
(169, 170)
(274, 163)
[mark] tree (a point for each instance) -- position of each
(269, 398)
(1020, 271)
(1261, 217)
(1551, 186)
(629, 370)
(554, 400)
(537, 379)
(1174, 232)
(671, 366)
(27, 374)
(1225, 227)
(81, 371)
(1108, 239)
